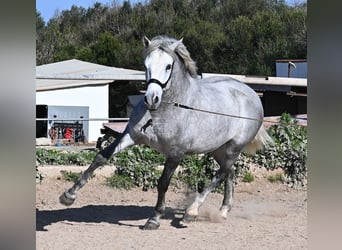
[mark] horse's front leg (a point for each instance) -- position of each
(163, 184)
(69, 196)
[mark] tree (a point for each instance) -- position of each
(202, 38)
(270, 42)
(237, 37)
(237, 50)
(107, 50)
(40, 29)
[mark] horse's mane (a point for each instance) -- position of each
(163, 42)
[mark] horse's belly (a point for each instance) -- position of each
(206, 144)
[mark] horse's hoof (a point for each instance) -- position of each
(67, 199)
(224, 210)
(151, 224)
(187, 218)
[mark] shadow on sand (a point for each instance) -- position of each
(102, 213)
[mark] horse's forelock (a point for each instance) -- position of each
(163, 42)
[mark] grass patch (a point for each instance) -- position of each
(119, 181)
(278, 177)
(71, 176)
(248, 177)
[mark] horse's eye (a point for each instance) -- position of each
(168, 67)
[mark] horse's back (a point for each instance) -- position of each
(226, 83)
(228, 91)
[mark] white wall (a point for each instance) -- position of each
(94, 97)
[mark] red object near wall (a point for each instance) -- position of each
(68, 133)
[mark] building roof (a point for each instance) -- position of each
(75, 73)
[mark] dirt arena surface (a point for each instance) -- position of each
(264, 216)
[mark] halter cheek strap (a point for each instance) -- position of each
(162, 85)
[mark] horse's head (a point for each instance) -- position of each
(159, 62)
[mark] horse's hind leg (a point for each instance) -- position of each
(227, 203)
(226, 161)
(69, 196)
(225, 156)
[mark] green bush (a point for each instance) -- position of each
(140, 164)
(57, 157)
(289, 151)
(197, 171)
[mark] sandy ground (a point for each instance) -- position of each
(264, 216)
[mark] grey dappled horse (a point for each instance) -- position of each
(169, 120)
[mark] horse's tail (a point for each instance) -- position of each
(261, 139)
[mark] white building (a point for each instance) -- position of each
(77, 83)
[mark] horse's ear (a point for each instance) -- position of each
(146, 41)
(175, 44)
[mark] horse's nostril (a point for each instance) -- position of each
(145, 100)
(155, 99)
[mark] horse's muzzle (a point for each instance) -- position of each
(153, 103)
(153, 96)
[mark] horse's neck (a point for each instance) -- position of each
(182, 87)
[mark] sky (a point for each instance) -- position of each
(48, 8)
